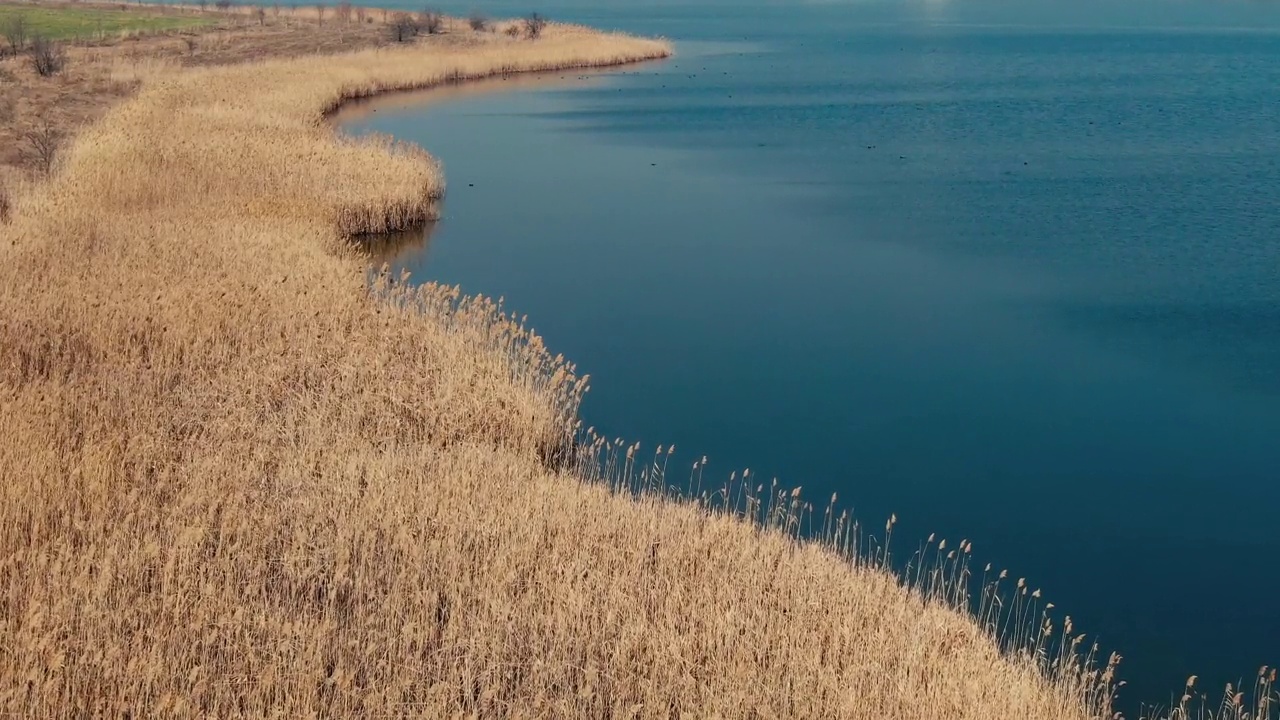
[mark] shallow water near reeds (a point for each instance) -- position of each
(1009, 271)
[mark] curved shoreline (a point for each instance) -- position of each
(239, 484)
(353, 110)
(385, 247)
(647, 51)
(282, 107)
(350, 110)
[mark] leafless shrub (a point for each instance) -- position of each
(222, 4)
(6, 205)
(534, 25)
(261, 14)
(7, 103)
(204, 5)
(478, 22)
(191, 44)
(15, 32)
(342, 11)
(432, 22)
(47, 57)
(320, 12)
(40, 147)
(513, 31)
(362, 14)
(403, 27)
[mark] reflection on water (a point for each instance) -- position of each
(394, 247)
(365, 109)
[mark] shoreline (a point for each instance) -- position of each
(349, 102)
(387, 245)
(231, 456)
(355, 109)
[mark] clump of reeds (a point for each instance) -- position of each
(1237, 702)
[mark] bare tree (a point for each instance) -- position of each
(275, 9)
(432, 22)
(362, 14)
(478, 22)
(204, 5)
(342, 11)
(533, 26)
(47, 57)
(403, 27)
(15, 32)
(222, 4)
(41, 146)
(261, 13)
(320, 13)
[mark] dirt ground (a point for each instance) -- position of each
(37, 111)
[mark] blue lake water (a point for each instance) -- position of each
(1010, 271)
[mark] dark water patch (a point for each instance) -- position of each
(395, 248)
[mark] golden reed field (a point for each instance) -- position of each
(244, 476)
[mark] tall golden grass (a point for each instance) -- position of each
(242, 476)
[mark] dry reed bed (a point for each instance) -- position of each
(235, 482)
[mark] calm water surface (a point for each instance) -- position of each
(1010, 271)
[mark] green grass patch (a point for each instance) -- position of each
(75, 22)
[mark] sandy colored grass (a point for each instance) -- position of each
(241, 477)
(104, 69)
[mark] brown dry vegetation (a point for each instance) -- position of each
(241, 476)
(102, 71)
